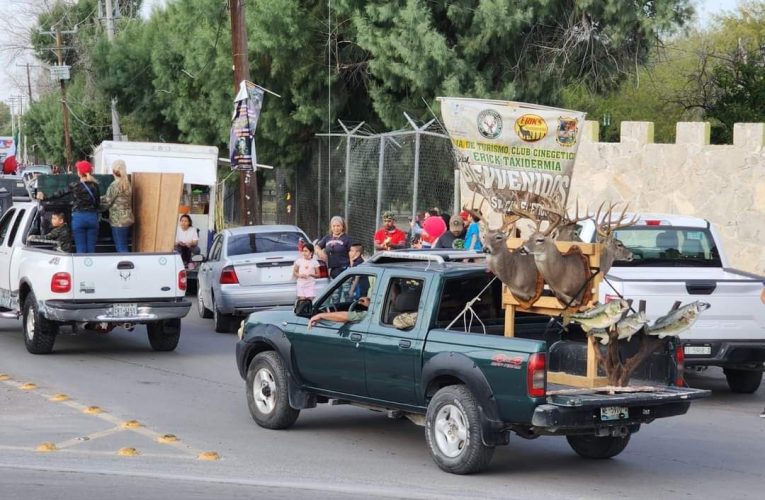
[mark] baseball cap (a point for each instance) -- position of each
(456, 221)
(83, 167)
(388, 215)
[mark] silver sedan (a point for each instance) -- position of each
(248, 269)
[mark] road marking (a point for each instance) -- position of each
(46, 447)
(120, 425)
(128, 452)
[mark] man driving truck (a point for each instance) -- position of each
(341, 316)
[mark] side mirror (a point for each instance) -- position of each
(303, 308)
(197, 258)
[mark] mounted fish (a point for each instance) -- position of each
(678, 320)
(598, 318)
(601, 335)
(630, 325)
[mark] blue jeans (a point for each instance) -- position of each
(121, 237)
(85, 231)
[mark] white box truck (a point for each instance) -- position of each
(198, 164)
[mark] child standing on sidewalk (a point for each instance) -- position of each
(306, 270)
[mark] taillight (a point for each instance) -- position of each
(536, 373)
(680, 363)
(228, 276)
(61, 283)
(609, 298)
(323, 271)
(653, 222)
(182, 280)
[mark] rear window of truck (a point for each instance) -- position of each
(669, 246)
(457, 292)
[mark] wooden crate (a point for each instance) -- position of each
(156, 198)
(550, 306)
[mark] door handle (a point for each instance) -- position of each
(405, 344)
(355, 337)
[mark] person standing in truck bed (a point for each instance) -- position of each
(85, 204)
(118, 200)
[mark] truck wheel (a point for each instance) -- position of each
(223, 322)
(743, 381)
(453, 432)
(39, 333)
(597, 447)
(267, 396)
(164, 335)
(203, 311)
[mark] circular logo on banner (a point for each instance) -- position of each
(162, 261)
(88, 262)
(567, 129)
(489, 124)
(531, 128)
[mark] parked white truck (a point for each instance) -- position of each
(678, 258)
(56, 292)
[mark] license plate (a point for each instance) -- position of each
(698, 349)
(614, 413)
(124, 310)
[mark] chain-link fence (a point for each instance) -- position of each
(357, 175)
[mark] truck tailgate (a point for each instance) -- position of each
(594, 398)
(125, 276)
(735, 313)
(577, 410)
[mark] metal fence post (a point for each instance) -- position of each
(456, 209)
(380, 178)
(318, 194)
(348, 134)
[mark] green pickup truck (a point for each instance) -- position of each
(430, 347)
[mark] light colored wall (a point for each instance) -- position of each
(722, 183)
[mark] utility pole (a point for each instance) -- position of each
(67, 140)
(248, 181)
(116, 132)
(29, 78)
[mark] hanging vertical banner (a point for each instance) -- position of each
(247, 106)
(514, 153)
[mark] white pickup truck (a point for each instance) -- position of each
(678, 258)
(56, 292)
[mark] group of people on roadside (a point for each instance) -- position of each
(431, 229)
(86, 204)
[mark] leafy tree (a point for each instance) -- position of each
(5, 119)
(740, 84)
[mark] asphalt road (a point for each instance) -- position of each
(717, 450)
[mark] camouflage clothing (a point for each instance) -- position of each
(119, 203)
(61, 235)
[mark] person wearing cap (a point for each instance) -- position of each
(86, 199)
(453, 238)
(389, 237)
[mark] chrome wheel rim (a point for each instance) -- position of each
(451, 431)
(30, 323)
(264, 391)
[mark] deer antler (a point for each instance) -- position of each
(607, 225)
(577, 217)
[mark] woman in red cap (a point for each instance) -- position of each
(86, 199)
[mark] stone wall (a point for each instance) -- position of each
(722, 183)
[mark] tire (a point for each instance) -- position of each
(223, 322)
(453, 432)
(267, 392)
(743, 381)
(39, 333)
(588, 446)
(203, 311)
(164, 335)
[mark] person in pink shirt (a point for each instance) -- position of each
(306, 270)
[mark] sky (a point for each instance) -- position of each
(18, 15)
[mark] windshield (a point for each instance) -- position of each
(669, 246)
(279, 241)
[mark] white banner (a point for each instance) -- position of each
(512, 152)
